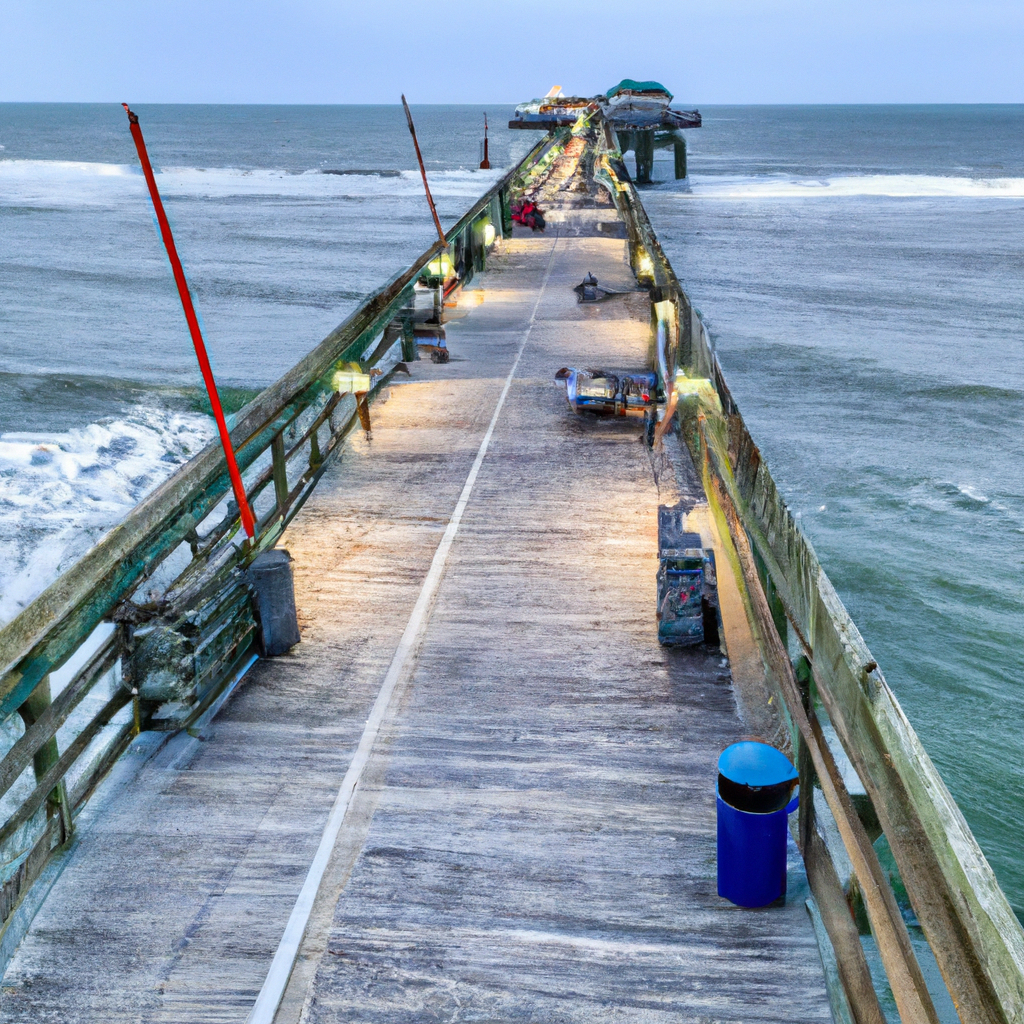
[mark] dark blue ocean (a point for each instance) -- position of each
(860, 270)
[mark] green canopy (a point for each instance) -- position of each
(628, 83)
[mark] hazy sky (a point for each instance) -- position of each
(706, 51)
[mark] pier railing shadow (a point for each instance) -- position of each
(889, 856)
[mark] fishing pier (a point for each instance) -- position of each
(478, 788)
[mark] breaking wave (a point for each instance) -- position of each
(909, 186)
(63, 183)
(60, 492)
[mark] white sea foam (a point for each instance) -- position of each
(71, 184)
(968, 491)
(60, 492)
(882, 185)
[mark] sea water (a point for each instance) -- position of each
(284, 217)
(860, 270)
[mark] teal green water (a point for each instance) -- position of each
(860, 270)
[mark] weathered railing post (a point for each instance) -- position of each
(315, 458)
(496, 217)
(409, 351)
(280, 472)
(506, 213)
(854, 975)
(46, 757)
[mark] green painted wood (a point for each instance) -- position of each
(279, 470)
(44, 727)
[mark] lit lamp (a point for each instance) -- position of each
(489, 234)
(350, 381)
(440, 267)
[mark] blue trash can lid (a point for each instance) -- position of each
(755, 764)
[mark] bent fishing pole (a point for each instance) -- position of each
(248, 522)
(423, 173)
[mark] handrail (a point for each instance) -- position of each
(970, 927)
(202, 616)
(102, 566)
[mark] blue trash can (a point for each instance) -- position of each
(755, 798)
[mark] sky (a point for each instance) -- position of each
(705, 51)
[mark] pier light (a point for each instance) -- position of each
(441, 266)
(489, 235)
(350, 380)
(645, 265)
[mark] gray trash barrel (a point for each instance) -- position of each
(271, 578)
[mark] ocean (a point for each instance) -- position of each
(859, 269)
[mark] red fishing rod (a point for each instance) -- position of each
(248, 522)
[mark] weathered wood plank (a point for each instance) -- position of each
(46, 725)
(543, 846)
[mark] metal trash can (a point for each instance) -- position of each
(270, 576)
(755, 799)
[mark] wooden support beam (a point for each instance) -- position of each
(46, 755)
(410, 353)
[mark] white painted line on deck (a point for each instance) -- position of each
(269, 999)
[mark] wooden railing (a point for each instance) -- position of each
(152, 626)
(825, 675)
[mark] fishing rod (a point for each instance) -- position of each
(423, 172)
(248, 522)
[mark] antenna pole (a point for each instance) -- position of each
(248, 522)
(423, 172)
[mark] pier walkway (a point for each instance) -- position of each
(532, 837)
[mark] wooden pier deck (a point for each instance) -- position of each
(533, 836)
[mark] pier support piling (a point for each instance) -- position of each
(643, 142)
(679, 146)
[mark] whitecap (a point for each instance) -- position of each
(838, 186)
(60, 492)
(65, 183)
(968, 491)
